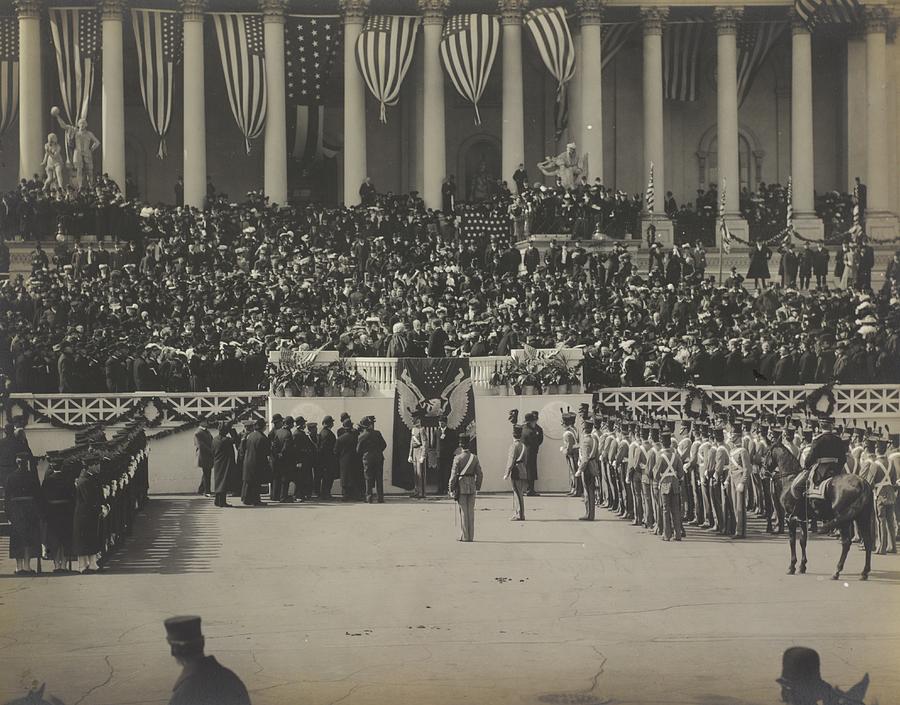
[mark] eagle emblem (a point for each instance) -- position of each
(453, 401)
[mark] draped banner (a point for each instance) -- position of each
(613, 39)
(242, 51)
(311, 42)
(681, 58)
(9, 72)
(468, 48)
(754, 41)
(75, 34)
(553, 40)
(433, 387)
(384, 51)
(158, 41)
(815, 12)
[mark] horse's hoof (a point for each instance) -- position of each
(802, 570)
(791, 570)
(864, 577)
(836, 576)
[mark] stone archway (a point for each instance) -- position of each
(750, 155)
(478, 167)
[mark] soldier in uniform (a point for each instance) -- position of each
(653, 472)
(717, 469)
(418, 453)
(86, 543)
(629, 453)
(532, 437)
(670, 470)
(885, 498)
(517, 473)
(569, 449)
(588, 469)
(465, 481)
(739, 474)
(371, 446)
(203, 681)
(686, 449)
(827, 455)
(758, 458)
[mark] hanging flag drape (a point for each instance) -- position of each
(681, 58)
(312, 42)
(75, 34)
(241, 48)
(789, 217)
(551, 35)
(816, 12)
(384, 51)
(856, 228)
(158, 41)
(9, 72)
(613, 38)
(754, 40)
(726, 233)
(468, 48)
(651, 196)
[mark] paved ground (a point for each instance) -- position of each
(379, 604)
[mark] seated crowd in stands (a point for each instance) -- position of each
(195, 300)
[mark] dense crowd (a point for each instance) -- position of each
(192, 301)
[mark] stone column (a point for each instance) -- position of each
(354, 103)
(194, 104)
(590, 139)
(805, 221)
(513, 132)
(275, 144)
(113, 90)
(434, 157)
(31, 111)
(727, 19)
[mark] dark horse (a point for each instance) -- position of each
(848, 500)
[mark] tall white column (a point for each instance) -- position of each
(880, 223)
(513, 131)
(194, 104)
(434, 156)
(275, 140)
(31, 117)
(802, 160)
(590, 140)
(354, 103)
(113, 90)
(654, 148)
(727, 19)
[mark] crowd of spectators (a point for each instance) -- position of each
(195, 300)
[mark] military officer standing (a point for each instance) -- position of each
(588, 468)
(465, 481)
(517, 473)
(569, 449)
(669, 468)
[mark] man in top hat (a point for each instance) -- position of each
(203, 455)
(532, 437)
(257, 450)
(349, 462)
(23, 505)
(447, 445)
(569, 449)
(328, 461)
(371, 446)
(203, 681)
(516, 473)
(588, 468)
(283, 458)
(801, 681)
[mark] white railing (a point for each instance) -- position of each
(88, 409)
(379, 371)
(853, 402)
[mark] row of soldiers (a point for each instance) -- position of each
(85, 505)
(716, 469)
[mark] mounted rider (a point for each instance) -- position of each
(826, 458)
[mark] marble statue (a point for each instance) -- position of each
(53, 163)
(566, 166)
(85, 144)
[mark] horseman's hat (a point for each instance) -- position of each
(800, 666)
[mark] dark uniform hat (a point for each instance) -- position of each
(184, 635)
(800, 666)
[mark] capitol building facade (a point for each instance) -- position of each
(727, 92)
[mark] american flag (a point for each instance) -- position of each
(158, 40)
(651, 196)
(856, 229)
(726, 233)
(815, 12)
(553, 40)
(681, 58)
(242, 51)
(613, 38)
(754, 41)
(311, 46)
(468, 48)
(789, 198)
(480, 225)
(9, 72)
(384, 51)
(75, 34)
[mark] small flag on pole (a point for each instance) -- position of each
(789, 224)
(651, 197)
(726, 235)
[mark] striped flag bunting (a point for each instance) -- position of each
(312, 43)
(384, 51)
(817, 12)
(75, 35)
(856, 228)
(726, 233)
(158, 41)
(9, 72)
(754, 41)
(240, 38)
(613, 38)
(468, 49)
(651, 196)
(550, 31)
(681, 58)
(789, 197)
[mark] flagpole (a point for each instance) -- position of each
(722, 228)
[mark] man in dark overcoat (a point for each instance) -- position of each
(256, 464)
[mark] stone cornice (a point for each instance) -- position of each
(512, 11)
(433, 11)
(727, 19)
(28, 9)
(590, 11)
(111, 9)
(653, 19)
(354, 11)
(193, 10)
(876, 18)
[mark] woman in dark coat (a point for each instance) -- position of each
(223, 464)
(759, 264)
(86, 524)
(349, 461)
(59, 517)
(23, 506)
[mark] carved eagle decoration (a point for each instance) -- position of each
(452, 401)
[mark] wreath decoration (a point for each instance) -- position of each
(695, 403)
(815, 399)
